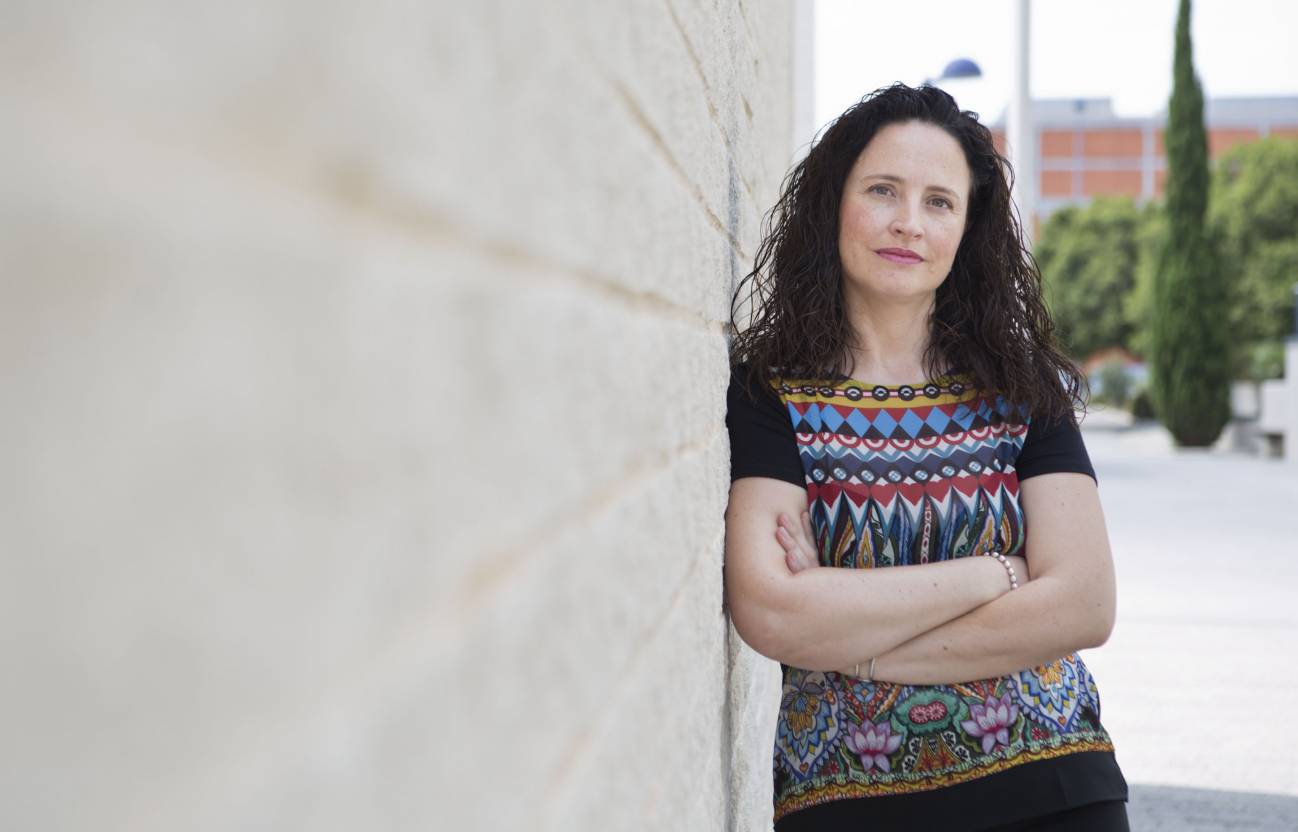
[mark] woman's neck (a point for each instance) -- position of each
(889, 344)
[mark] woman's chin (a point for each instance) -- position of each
(898, 293)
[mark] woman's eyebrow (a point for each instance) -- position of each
(891, 178)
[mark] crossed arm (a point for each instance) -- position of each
(932, 624)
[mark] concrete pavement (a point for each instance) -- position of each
(1198, 684)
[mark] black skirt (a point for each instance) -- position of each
(1029, 793)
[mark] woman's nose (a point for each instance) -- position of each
(906, 221)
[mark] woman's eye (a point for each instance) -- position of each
(879, 189)
(946, 203)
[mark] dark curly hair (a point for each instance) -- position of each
(989, 319)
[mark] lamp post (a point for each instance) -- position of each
(1020, 134)
(1020, 131)
(1288, 386)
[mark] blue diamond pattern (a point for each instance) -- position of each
(794, 414)
(884, 423)
(938, 420)
(858, 422)
(911, 423)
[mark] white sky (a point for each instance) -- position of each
(1121, 49)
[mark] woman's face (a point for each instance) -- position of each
(903, 213)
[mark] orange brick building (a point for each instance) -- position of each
(1084, 150)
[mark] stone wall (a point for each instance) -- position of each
(364, 372)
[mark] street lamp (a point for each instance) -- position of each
(959, 68)
(964, 80)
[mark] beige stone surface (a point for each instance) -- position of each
(363, 382)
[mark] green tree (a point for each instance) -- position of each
(1190, 357)
(1138, 305)
(1089, 258)
(1254, 213)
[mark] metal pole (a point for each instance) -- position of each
(804, 77)
(1021, 135)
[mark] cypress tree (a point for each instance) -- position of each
(1190, 368)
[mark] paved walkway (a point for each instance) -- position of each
(1199, 682)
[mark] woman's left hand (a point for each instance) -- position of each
(797, 540)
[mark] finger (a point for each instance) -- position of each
(792, 558)
(794, 555)
(791, 545)
(806, 527)
(806, 539)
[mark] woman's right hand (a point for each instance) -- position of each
(800, 551)
(796, 538)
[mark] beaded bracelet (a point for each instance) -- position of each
(1009, 567)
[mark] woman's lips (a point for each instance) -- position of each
(899, 257)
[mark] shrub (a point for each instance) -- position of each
(1142, 406)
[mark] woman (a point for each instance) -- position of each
(898, 401)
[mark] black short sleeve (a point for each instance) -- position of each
(762, 442)
(1053, 446)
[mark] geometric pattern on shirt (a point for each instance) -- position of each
(892, 479)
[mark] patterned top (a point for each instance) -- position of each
(912, 475)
